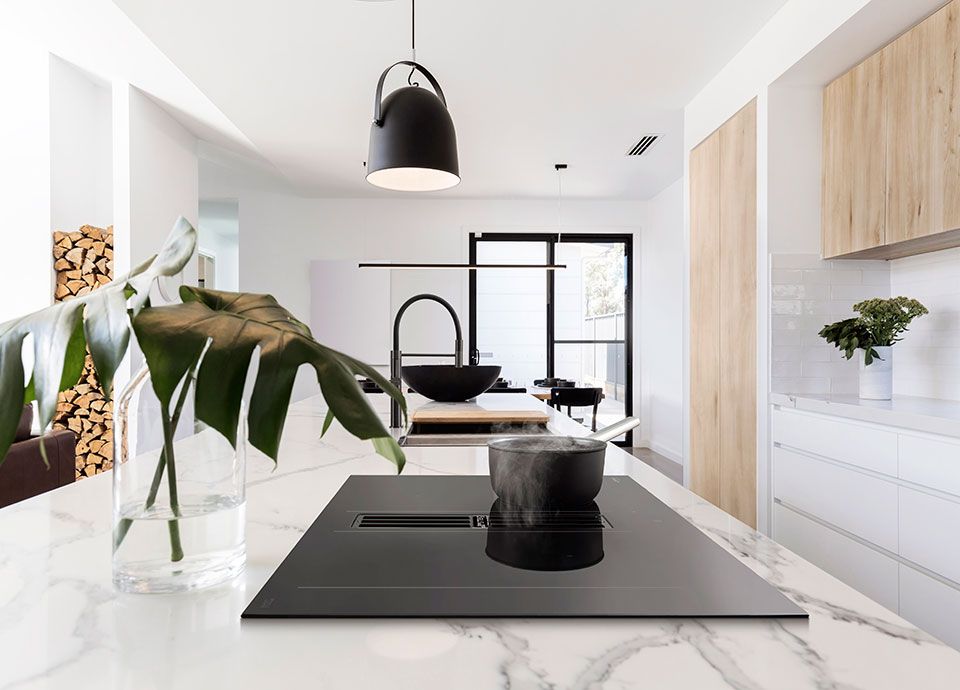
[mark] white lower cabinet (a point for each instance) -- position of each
(929, 531)
(930, 604)
(858, 503)
(861, 567)
(878, 507)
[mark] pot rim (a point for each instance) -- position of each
(518, 444)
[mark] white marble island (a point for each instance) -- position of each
(62, 625)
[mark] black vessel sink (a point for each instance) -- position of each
(448, 383)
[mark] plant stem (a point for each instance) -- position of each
(127, 523)
(176, 549)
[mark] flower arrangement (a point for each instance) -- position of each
(880, 323)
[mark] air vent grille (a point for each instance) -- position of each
(643, 145)
(414, 521)
(548, 521)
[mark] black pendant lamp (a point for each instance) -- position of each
(413, 144)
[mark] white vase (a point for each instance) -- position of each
(876, 380)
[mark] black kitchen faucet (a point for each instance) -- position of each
(396, 357)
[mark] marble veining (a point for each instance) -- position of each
(62, 625)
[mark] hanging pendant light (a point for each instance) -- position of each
(413, 144)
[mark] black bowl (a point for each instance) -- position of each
(447, 383)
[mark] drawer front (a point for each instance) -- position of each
(930, 462)
(868, 447)
(859, 566)
(863, 505)
(930, 605)
(928, 532)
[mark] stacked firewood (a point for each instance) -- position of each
(83, 261)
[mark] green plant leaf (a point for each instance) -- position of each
(327, 421)
(231, 326)
(60, 336)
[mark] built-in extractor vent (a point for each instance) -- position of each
(414, 521)
(519, 520)
(564, 520)
(643, 145)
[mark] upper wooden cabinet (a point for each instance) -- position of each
(891, 147)
(923, 129)
(854, 126)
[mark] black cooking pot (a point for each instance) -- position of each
(545, 540)
(546, 471)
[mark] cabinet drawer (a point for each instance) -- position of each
(928, 532)
(869, 447)
(859, 566)
(930, 605)
(863, 505)
(930, 462)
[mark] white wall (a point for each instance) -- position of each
(81, 163)
(26, 273)
(156, 180)
(661, 322)
(279, 234)
(219, 232)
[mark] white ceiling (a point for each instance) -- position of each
(529, 83)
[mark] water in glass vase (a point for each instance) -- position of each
(178, 496)
(156, 552)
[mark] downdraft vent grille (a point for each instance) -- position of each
(414, 521)
(643, 145)
(546, 521)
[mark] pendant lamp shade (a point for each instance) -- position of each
(413, 144)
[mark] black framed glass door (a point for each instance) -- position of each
(574, 323)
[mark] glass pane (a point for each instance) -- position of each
(596, 365)
(511, 310)
(590, 291)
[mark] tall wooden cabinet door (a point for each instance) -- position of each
(738, 315)
(923, 107)
(854, 168)
(705, 319)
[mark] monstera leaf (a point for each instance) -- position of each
(220, 331)
(62, 333)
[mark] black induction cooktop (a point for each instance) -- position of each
(445, 547)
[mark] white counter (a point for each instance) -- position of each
(62, 625)
(904, 411)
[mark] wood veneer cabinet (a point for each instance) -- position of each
(723, 293)
(891, 147)
(923, 129)
(854, 168)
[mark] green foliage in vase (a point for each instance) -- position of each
(881, 323)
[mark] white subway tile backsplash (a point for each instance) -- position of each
(806, 294)
(927, 360)
(857, 293)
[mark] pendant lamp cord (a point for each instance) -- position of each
(413, 41)
(559, 167)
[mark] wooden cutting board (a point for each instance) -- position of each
(472, 413)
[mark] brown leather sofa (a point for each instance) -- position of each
(23, 474)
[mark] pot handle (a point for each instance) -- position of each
(608, 433)
(377, 118)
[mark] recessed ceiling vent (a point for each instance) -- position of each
(644, 145)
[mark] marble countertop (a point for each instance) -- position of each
(62, 624)
(908, 412)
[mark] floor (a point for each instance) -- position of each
(663, 464)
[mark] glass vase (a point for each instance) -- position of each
(178, 496)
